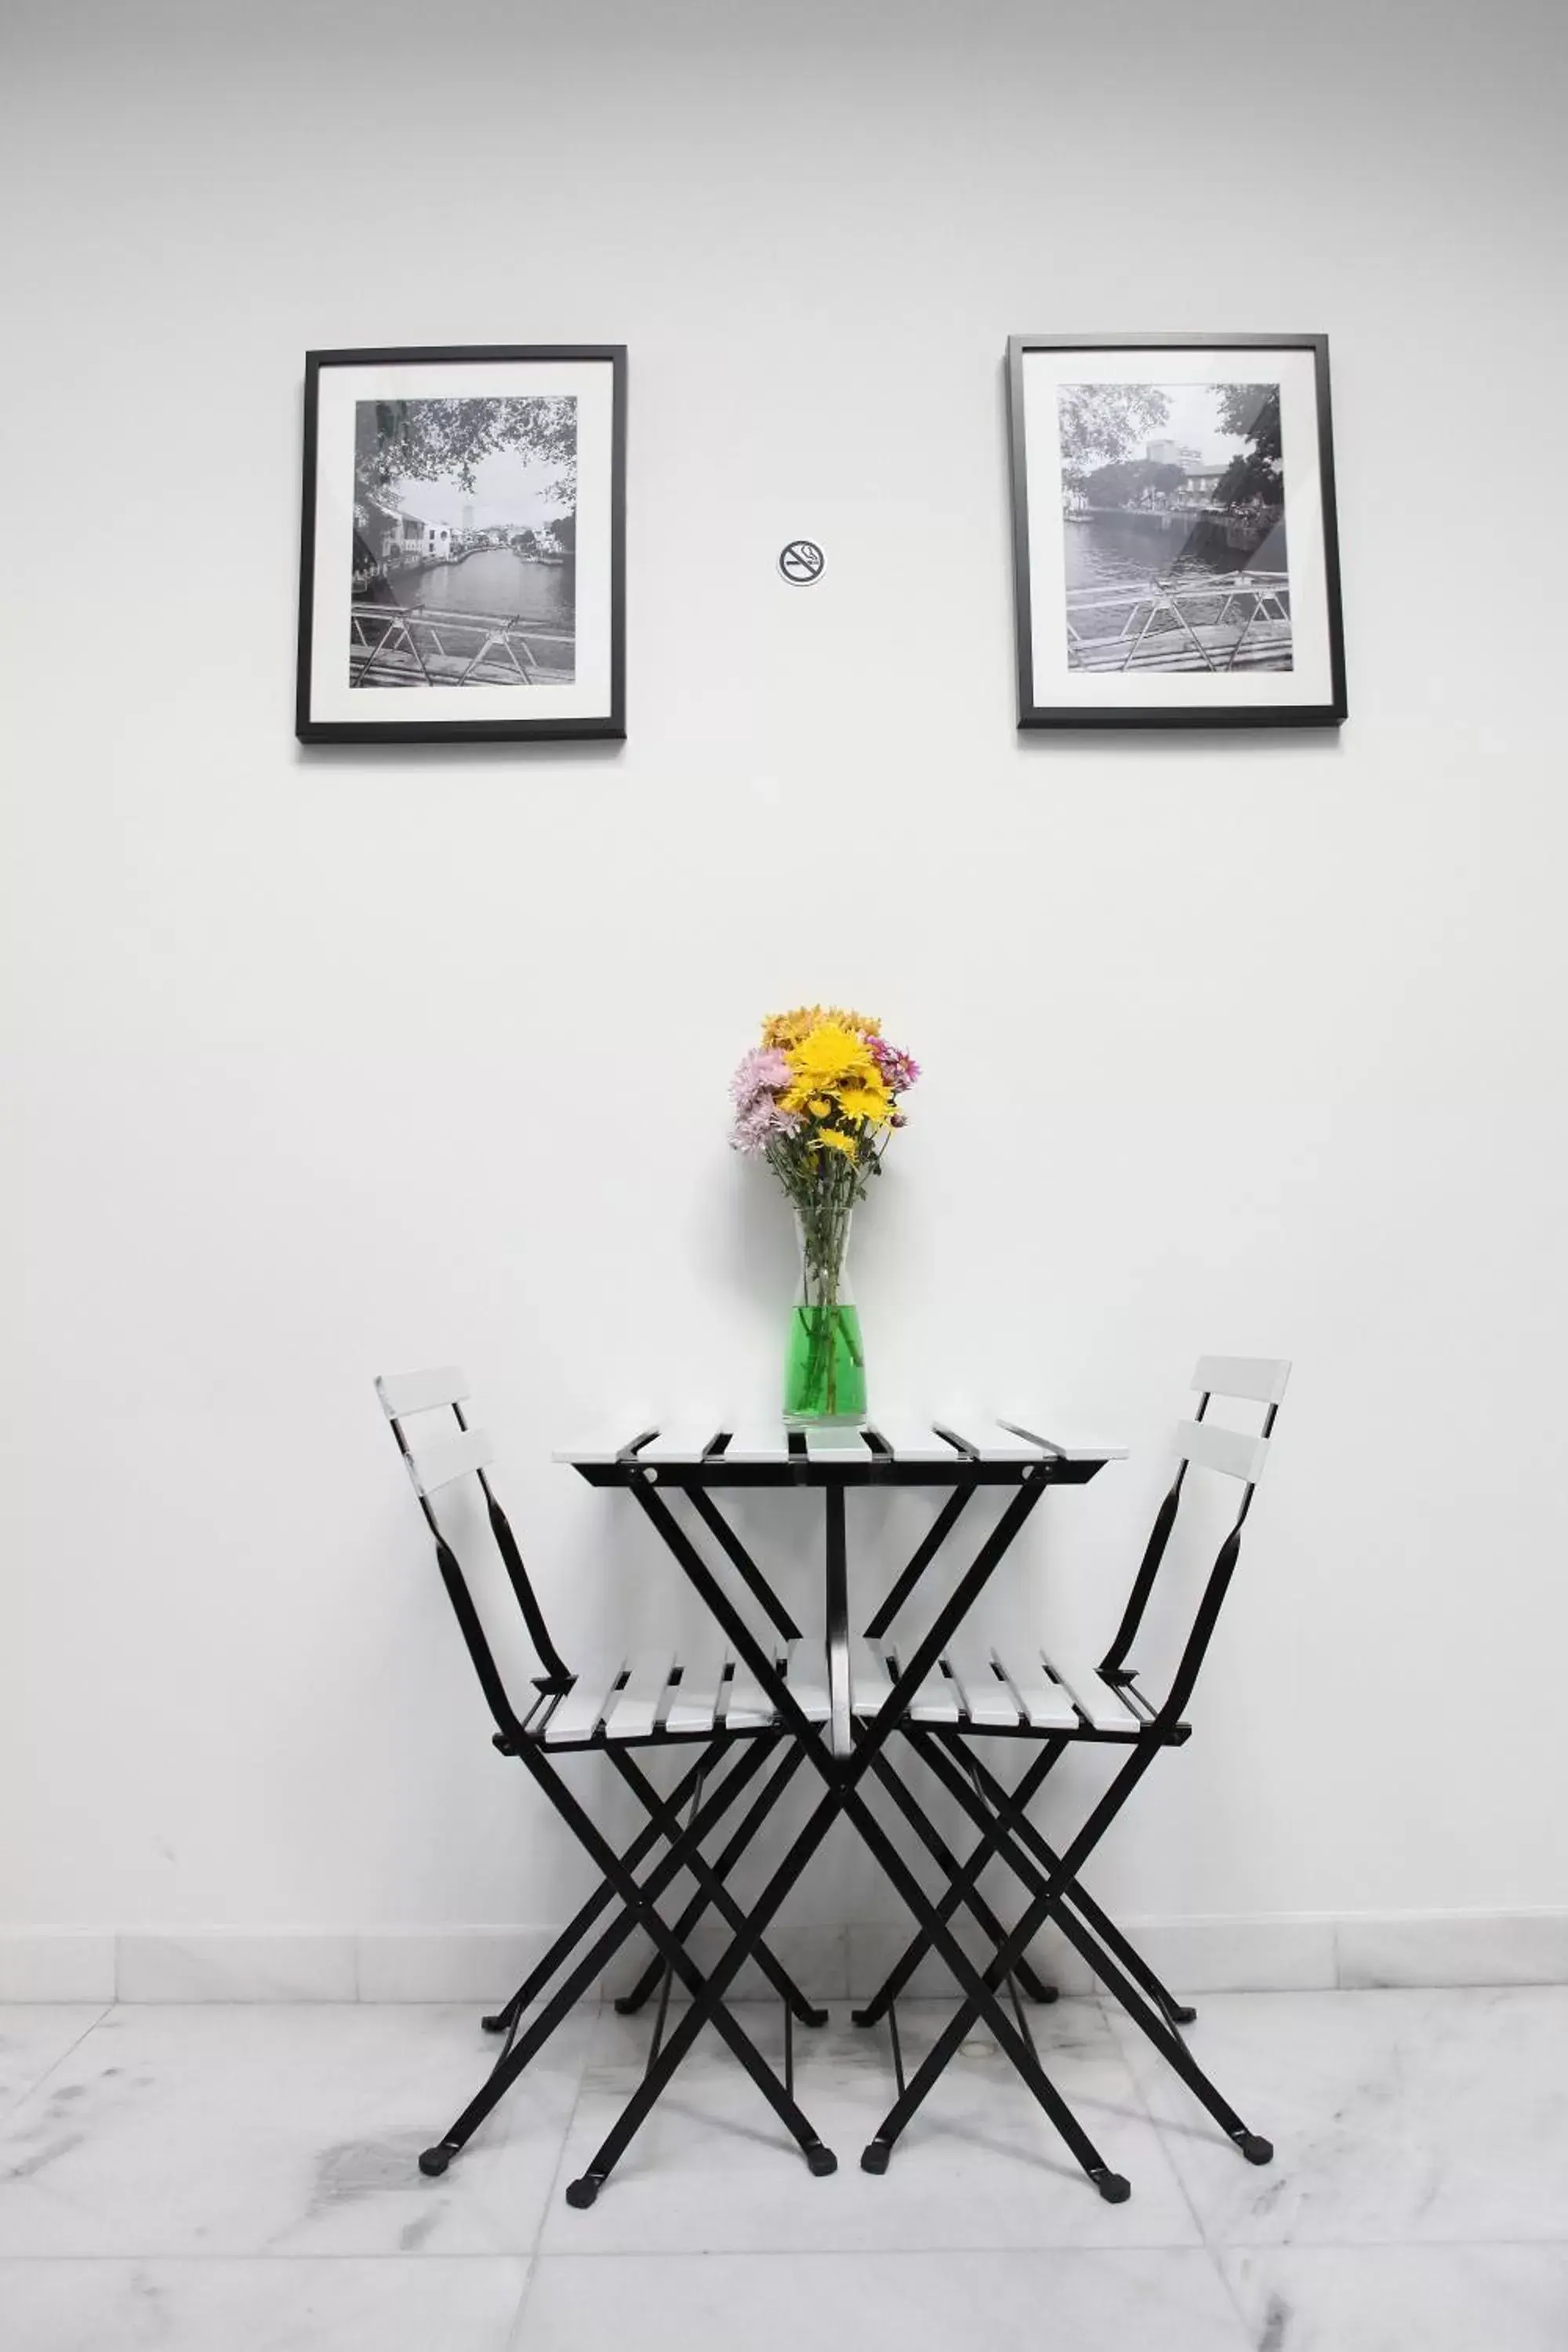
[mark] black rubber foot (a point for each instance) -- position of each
(821, 2161)
(1113, 2187)
(1180, 2014)
(874, 2155)
(865, 2016)
(809, 2016)
(498, 2023)
(1046, 1995)
(432, 2161)
(1256, 2148)
(583, 2192)
(628, 2005)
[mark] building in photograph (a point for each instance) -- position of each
(408, 541)
(1173, 453)
(1199, 484)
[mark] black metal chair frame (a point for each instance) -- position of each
(738, 1754)
(1051, 1879)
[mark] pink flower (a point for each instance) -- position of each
(761, 1071)
(758, 1123)
(900, 1069)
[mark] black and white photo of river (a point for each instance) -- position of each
(465, 543)
(1173, 527)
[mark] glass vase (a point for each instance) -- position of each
(824, 1362)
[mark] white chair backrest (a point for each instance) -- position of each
(1230, 1450)
(437, 1461)
(405, 1392)
(1204, 1444)
(1238, 1454)
(1263, 1379)
(445, 1451)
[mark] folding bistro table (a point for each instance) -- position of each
(664, 1468)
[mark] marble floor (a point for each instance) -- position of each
(242, 2180)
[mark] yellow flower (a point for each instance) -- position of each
(783, 1030)
(829, 1054)
(869, 1102)
(836, 1140)
(819, 1105)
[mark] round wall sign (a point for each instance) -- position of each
(801, 563)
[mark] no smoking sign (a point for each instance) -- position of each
(801, 563)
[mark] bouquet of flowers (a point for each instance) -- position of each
(819, 1099)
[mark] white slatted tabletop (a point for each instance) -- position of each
(953, 1449)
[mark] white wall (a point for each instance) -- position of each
(325, 1064)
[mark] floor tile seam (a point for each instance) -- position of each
(871, 2248)
(1379, 2245)
(274, 2261)
(54, 2065)
(1135, 2078)
(925, 2250)
(1215, 2256)
(548, 2200)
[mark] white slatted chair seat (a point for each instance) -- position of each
(988, 1700)
(805, 1667)
(1043, 1702)
(980, 1687)
(652, 1691)
(1094, 1698)
(936, 1700)
(869, 1682)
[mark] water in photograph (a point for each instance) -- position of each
(535, 597)
(493, 579)
(1176, 550)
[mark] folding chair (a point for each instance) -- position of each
(722, 1719)
(1040, 1695)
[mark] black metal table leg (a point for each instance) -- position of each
(629, 2003)
(842, 1777)
(962, 1878)
(713, 1886)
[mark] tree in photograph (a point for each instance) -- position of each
(374, 526)
(1128, 482)
(1251, 412)
(1101, 421)
(444, 440)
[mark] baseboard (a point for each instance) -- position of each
(1275, 1953)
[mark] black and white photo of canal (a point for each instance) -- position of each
(1173, 527)
(465, 542)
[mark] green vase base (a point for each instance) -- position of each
(824, 1367)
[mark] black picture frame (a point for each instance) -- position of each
(608, 724)
(1332, 708)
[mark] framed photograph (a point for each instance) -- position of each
(462, 552)
(1175, 550)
